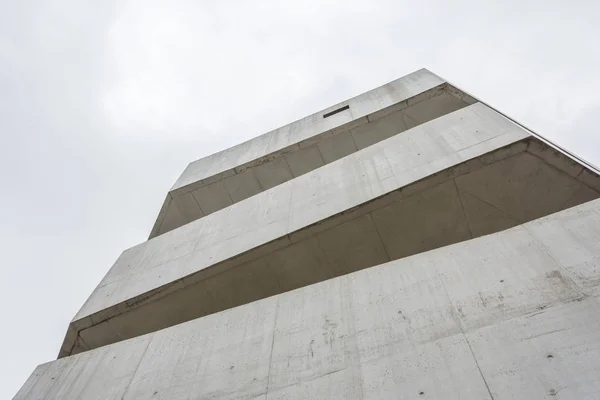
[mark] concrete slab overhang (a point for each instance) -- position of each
(466, 174)
(515, 312)
(227, 177)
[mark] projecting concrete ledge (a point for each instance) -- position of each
(219, 180)
(464, 175)
(513, 315)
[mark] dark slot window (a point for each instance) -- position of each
(339, 110)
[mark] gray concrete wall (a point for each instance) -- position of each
(513, 315)
(232, 175)
(481, 175)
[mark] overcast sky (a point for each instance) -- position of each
(103, 104)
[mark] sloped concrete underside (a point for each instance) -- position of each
(511, 315)
(495, 188)
(235, 174)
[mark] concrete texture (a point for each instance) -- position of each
(463, 175)
(512, 315)
(232, 175)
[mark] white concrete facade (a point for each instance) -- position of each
(449, 179)
(217, 181)
(512, 315)
(394, 245)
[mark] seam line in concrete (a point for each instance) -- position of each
(70, 352)
(272, 346)
(352, 342)
(262, 189)
(320, 155)
(137, 367)
(554, 166)
(351, 134)
(82, 341)
(198, 204)
(462, 329)
(379, 236)
(290, 204)
(462, 206)
(491, 205)
(572, 195)
(305, 380)
(477, 364)
(289, 169)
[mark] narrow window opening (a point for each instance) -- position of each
(339, 110)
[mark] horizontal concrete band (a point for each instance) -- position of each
(510, 315)
(366, 209)
(370, 102)
(232, 175)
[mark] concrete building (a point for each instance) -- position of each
(411, 242)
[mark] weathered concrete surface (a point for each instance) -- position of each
(466, 174)
(232, 175)
(512, 315)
